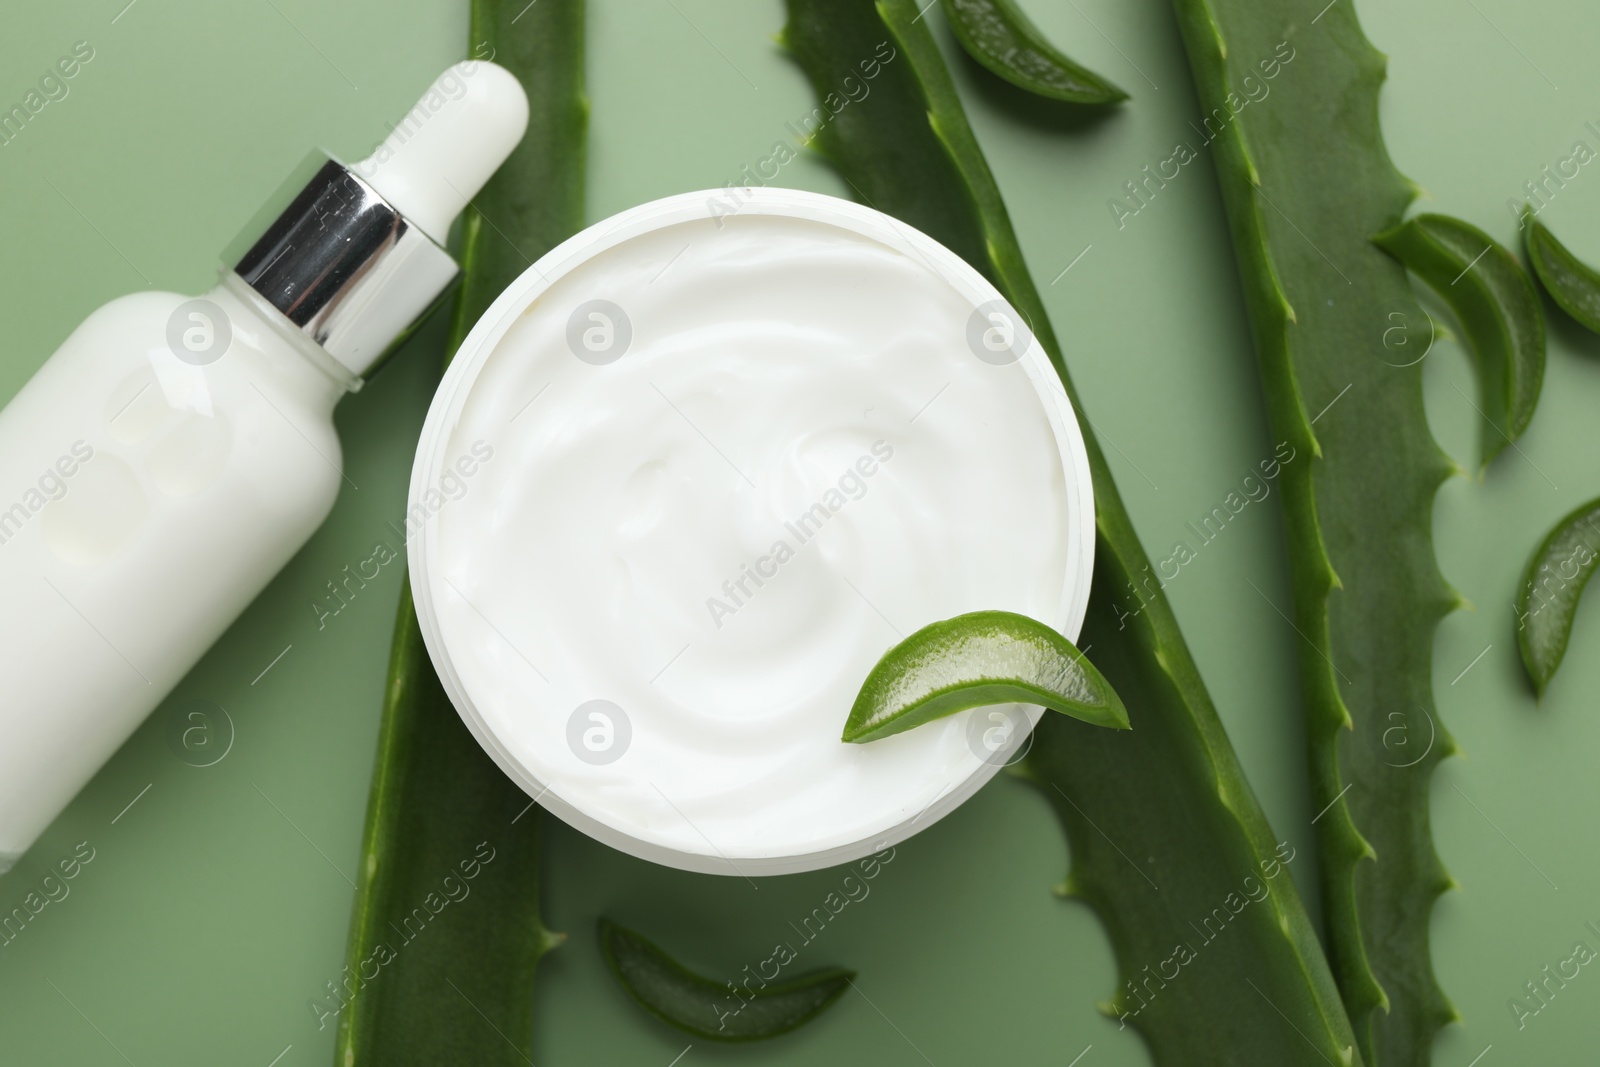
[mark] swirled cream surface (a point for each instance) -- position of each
(684, 487)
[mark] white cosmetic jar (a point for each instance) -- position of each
(691, 475)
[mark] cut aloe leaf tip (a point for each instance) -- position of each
(1552, 585)
(1571, 283)
(977, 659)
(999, 36)
(1498, 308)
(751, 1010)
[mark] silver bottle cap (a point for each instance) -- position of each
(346, 268)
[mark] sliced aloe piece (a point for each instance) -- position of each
(1498, 308)
(1571, 283)
(1557, 572)
(998, 35)
(983, 657)
(749, 1011)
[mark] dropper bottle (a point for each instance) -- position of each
(174, 453)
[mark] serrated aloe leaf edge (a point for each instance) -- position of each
(1168, 841)
(446, 931)
(752, 1010)
(1305, 186)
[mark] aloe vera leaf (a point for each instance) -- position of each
(977, 659)
(446, 930)
(1571, 283)
(1494, 300)
(1163, 827)
(1305, 179)
(716, 1011)
(1551, 587)
(999, 36)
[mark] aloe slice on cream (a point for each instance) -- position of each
(976, 660)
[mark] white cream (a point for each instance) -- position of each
(796, 460)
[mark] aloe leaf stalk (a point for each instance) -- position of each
(1306, 180)
(752, 1010)
(1219, 962)
(446, 931)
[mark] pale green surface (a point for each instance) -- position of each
(206, 921)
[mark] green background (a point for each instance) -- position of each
(217, 906)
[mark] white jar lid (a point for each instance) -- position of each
(691, 475)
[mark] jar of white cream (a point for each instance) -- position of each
(685, 482)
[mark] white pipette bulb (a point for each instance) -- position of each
(444, 149)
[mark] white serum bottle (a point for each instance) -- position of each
(174, 453)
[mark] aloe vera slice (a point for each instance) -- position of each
(1495, 301)
(752, 1010)
(1571, 283)
(446, 930)
(983, 657)
(998, 35)
(1552, 585)
(1162, 825)
(1306, 180)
